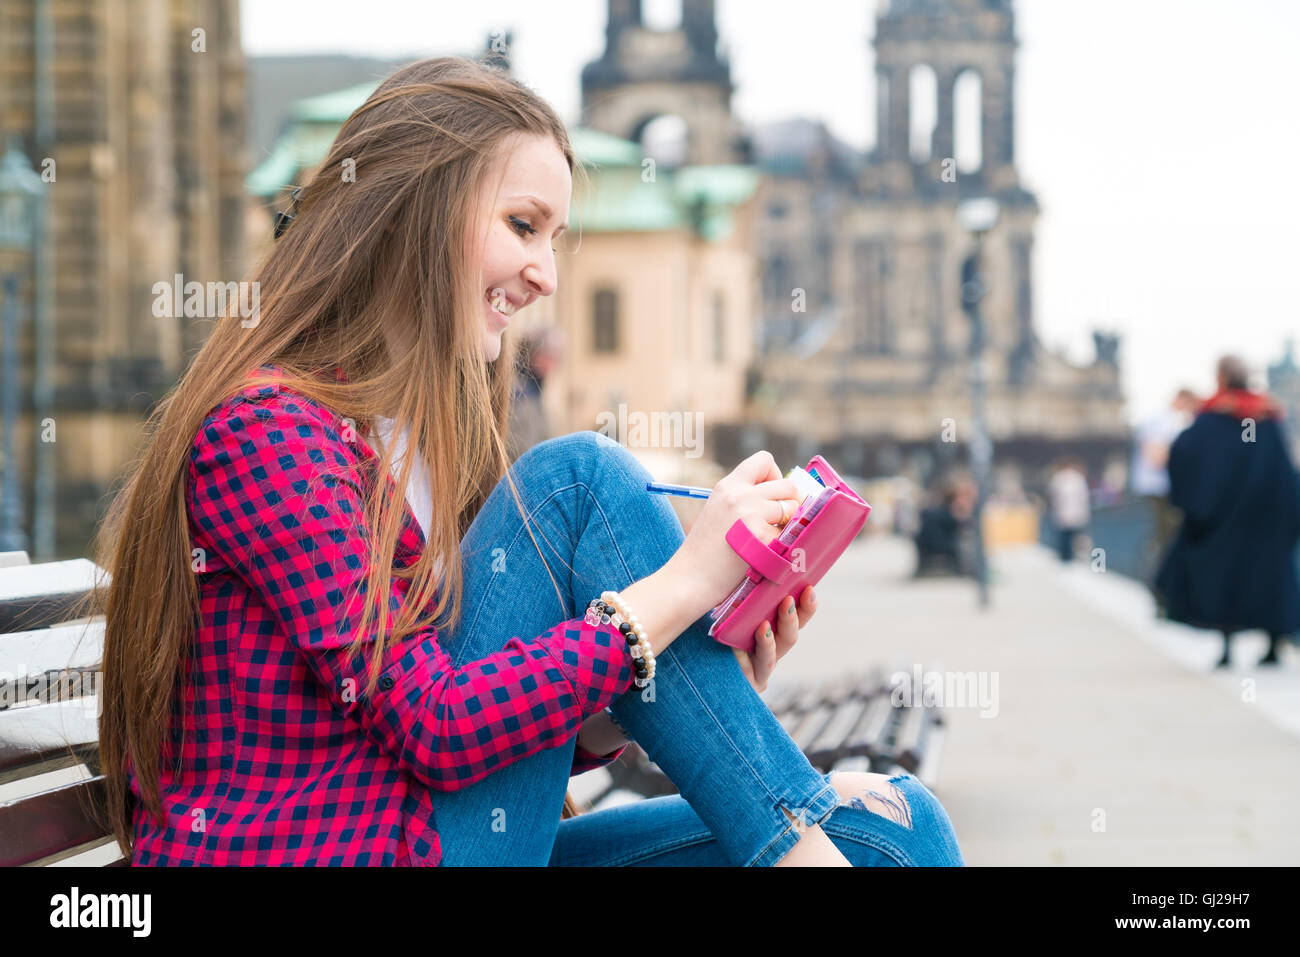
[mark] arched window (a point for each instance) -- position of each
(967, 121)
(923, 100)
(604, 321)
(666, 139)
(661, 14)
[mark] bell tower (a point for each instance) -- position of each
(929, 55)
(645, 74)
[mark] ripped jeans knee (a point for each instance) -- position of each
(873, 792)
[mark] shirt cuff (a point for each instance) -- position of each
(584, 760)
(595, 659)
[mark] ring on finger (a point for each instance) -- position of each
(784, 517)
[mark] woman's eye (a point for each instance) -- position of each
(520, 226)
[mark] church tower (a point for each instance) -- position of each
(945, 133)
(930, 53)
(877, 369)
(645, 74)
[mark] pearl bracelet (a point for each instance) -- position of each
(611, 609)
(643, 658)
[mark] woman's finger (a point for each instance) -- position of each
(807, 605)
(759, 467)
(778, 488)
(787, 631)
(784, 509)
(764, 654)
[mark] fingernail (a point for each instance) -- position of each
(790, 610)
(769, 631)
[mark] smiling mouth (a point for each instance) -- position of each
(502, 308)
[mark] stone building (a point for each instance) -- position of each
(654, 313)
(862, 339)
(658, 307)
(137, 109)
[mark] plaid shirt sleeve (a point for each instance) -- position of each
(584, 760)
(272, 493)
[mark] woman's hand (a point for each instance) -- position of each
(770, 646)
(753, 493)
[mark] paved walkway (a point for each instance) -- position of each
(1112, 741)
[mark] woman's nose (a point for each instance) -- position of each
(540, 275)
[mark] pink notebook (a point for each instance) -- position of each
(811, 542)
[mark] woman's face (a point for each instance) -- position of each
(512, 250)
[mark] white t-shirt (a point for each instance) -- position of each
(418, 493)
(1160, 429)
(1068, 489)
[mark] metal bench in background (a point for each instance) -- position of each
(849, 724)
(50, 781)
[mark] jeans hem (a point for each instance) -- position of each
(814, 812)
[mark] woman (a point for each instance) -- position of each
(262, 705)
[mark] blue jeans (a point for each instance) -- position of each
(701, 721)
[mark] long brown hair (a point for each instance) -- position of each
(384, 247)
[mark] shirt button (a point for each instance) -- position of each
(386, 682)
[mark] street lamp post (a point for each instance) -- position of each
(978, 216)
(20, 195)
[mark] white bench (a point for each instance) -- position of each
(52, 794)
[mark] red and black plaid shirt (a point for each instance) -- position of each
(284, 760)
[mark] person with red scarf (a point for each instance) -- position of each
(1232, 566)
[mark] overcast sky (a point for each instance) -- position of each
(1159, 136)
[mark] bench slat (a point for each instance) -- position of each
(31, 654)
(928, 770)
(888, 753)
(867, 737)
(909, 745)
(780, 699)
(34, 596)
(43, 824)
(790, 720)
(812, 726)
(38, 737)
(841, 725)
(101, 852)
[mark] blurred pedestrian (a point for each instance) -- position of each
(939, 537)
(1067, 492)
(1149, 476)
(1233, 565)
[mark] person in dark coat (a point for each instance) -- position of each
(1232, 566)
